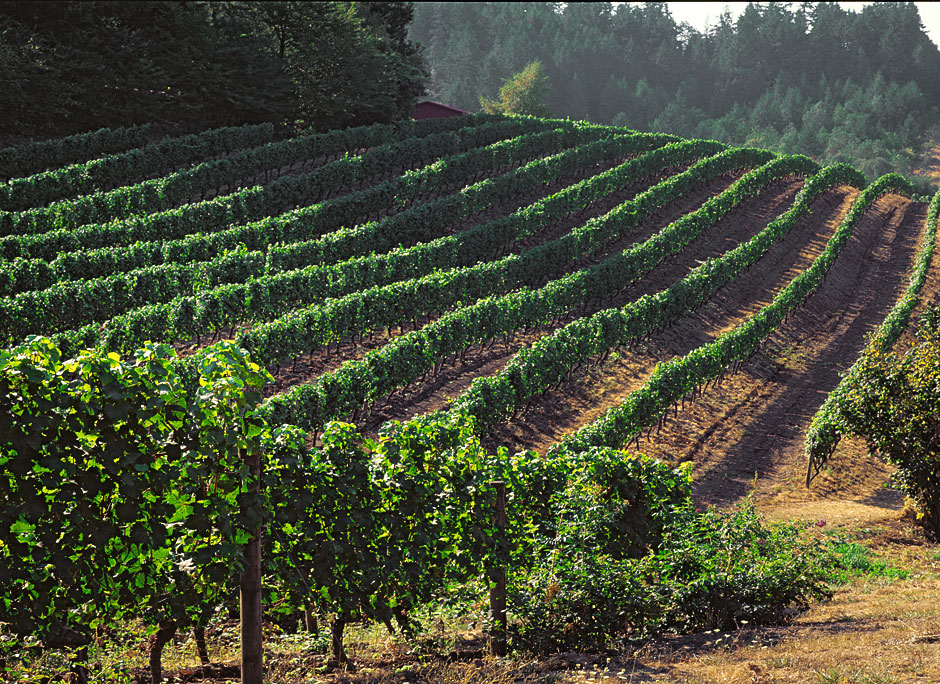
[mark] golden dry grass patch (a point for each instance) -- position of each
(874, 631)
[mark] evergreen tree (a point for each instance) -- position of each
(755, 78)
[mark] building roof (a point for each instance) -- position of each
(430, 104)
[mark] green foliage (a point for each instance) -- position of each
(27, 160)
(408, 357)
(577, 601)
(851, 560)
(104, 63)
(895, 403)
(71, 429)
(395, 523)
(126, 168)
(232, 266)
(262, 295)
(547, 362)
(391, 148)
(523, 93)
(124, 492)
(216, 215)
(348, 63)
(726, 569)
(387, 524)
(710, 570)
(77, 303)
(383, 290)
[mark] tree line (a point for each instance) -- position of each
(68, 67)
(807, 78)
(811, 78)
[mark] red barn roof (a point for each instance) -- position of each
(434, 110)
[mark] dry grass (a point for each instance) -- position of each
(874, 631)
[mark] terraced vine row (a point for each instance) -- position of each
(255, 255)
(128, 167)
(77, 302)
(48, 155)
(678, 378)
(548, 362)
(388, 153)
(825, 430)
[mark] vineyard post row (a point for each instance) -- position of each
(202, 176)
(123, 491)
(382, 290)
(76, 303)
(217, 215)
(109, 464)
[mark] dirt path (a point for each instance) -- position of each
(427, 397)
(594, 390)
(754, 423)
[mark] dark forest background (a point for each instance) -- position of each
(797, 77)
(67, 67)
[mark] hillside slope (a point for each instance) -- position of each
(564, 285)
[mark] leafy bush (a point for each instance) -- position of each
(719, 570)
(606, 501)
(894, 403)
(711, 570)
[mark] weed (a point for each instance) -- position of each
(851, 560)
(834, 675)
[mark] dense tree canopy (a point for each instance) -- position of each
(812, 78)
(73, 66)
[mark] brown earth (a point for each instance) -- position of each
(753, 425)
(595, 390)
(431, 396)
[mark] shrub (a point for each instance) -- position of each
(711, 570)
(894, 404)
(719, 570)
